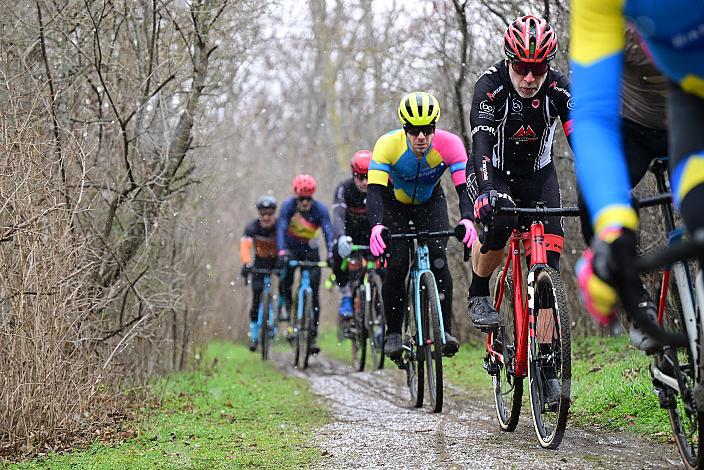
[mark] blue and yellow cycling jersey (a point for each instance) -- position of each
(673, 33)
(414, 179)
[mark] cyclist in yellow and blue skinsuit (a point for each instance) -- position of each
(673, 33)
(404, 177)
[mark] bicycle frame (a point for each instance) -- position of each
(524, 317)
(683, 280)
(265, 291)
(272, 310)
(420, 266)
(367, 265)
(304, 287)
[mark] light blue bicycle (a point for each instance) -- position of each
(302, 335)
(423, 330)
(267, 325)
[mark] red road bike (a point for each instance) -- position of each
(533, 340)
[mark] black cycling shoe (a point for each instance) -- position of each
(551, 384)
(451, 345)
(314, 348)
(483, 314)
(393, 346)
(639, 338)
(552, 391)
(252, 345)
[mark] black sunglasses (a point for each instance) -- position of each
(415, 130)
(360, 176)
(523, 68)
(305, 198)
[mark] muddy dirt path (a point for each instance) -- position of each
(374, 427)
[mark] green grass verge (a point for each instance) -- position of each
(239, 413)
(612, 388)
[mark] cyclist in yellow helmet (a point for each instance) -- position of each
(403, 187)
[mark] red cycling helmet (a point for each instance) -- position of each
(360, 162)
(530, 39)
(303, 185)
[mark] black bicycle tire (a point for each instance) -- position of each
(690, 461)
(297, 331)
(413, 365)
(359, 340)
(432, 349)
(375, 308)
(552, 440)
(508, 419)
(307, 327)
(264, 336)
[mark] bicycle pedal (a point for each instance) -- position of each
(699, 396)
(489, 328)
(492, 368)
(665, 399)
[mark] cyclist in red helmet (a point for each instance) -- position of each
(349, 223)
(298, 227)
(514, 114)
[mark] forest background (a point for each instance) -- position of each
(135, 136)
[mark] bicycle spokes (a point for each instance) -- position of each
(549, 363)
(501, 361)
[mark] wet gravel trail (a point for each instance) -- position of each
(374, 427)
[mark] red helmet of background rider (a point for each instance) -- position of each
(530, 39)
(360, 162)
(303, 185)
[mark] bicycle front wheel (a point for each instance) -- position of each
(411, 358)
(264, 337)
(359, 331)
(307, 331)
(508, 388)
(549, 358)
(376, 321)
(679, 364)
(430, 314)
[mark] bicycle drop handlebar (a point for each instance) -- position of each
(458, 233)
(487, 234)
(307, 264)
(263, 271)
(688, 249)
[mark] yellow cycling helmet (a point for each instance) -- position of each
(418, 108)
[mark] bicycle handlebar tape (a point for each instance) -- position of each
(460, 233)
(487, 236)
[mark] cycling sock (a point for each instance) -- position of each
(345, 291)
(479, 286)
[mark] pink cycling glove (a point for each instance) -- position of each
(470, 233)
(376, 243)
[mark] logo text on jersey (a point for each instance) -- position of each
(485, 170)
(488, 129)
(516, 106)
(486, 107)
(564, 91)
(492, 94)
(525, 134)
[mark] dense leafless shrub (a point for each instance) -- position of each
(100, 107)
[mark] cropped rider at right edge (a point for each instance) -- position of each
(673, 34)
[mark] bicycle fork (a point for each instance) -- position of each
(423, 266)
